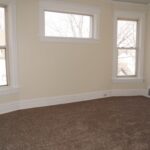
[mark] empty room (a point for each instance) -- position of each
(74, 74)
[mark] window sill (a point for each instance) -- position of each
(69, 40)
(127, 80)
(7, 90)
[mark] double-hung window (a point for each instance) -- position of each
(8, 52)
(128, 46)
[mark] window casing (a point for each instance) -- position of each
(66, 20)
(8, 50)
(128, 46)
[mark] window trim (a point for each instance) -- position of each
(140, 17)
(12, 62)
(68, 7)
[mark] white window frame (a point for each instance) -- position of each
(12, 67)
(140, 17)
(68, 7)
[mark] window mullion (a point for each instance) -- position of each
(2, 47)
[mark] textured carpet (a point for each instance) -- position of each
(121, 123)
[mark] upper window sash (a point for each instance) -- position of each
(127, 33)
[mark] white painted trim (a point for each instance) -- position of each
(140, 16)
(69, 7)
(127, 80)
(9, 107)
(49, 101)
(8, 2)
(62, 99)
(12, 48)
(125, 3)
(7, 90)
(68, 40)
(146, 92)
(130, 92)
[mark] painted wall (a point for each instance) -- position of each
(147, 62)
(55, 68)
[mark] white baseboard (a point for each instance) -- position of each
(129, 92)
(146, 92)
(49, 101)
(9, 107)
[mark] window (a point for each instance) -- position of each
(63, 21)
(3, 74)
(128, 46)
(8, 52)
(68, 25)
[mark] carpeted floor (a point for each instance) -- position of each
(121, 123)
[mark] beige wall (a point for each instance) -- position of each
(53, 69)
(147, 60)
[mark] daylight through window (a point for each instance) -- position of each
(68, 25)
(3, 76)
(127, 47)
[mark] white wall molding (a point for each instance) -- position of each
(49, 101)
(146, 92)
(9, 107)
(130, 92)
(121, 3)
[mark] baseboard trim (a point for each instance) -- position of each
(9, 107)
(129, 92)
(147, 92)
(49, 101)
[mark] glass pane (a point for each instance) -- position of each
(126, 62)
(67, 25)
(3, 78)
(2, 27)
(126, 34)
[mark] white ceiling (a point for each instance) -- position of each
(135, 1)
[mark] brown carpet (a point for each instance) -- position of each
(121, 123)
